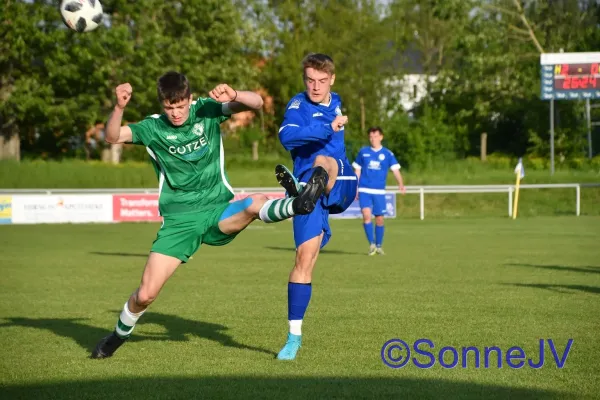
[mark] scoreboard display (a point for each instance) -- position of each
(570, 76)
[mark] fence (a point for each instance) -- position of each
(509, 189)
(420, 190)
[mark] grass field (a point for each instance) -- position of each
(217, 325)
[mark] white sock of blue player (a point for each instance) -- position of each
(276, 210)
(379, 235)
(369, 232)
(296, 327)
(298, 299)
(126, 322)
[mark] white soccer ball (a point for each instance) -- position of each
(81, 15)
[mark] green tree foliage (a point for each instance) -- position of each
(485, 57)
(352, 33)
(58, 83)
(480, 59)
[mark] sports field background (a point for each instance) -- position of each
(216, 327)
(244, 173)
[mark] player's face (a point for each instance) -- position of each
(178, 112)
(318, 84)
(375, 139)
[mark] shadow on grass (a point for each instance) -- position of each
(559, 288)
(105, 253)
(285, 387)
(177, 329)
(583, 269)
(323, 251)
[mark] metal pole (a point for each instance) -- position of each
(552, 137)
(578, 206)
(510, 190)
(589, 126)
(422, 201)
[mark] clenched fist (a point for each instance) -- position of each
(123, 92)
(223, 93)
(339, 122)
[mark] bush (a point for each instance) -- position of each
(536, 163)
(134, 153)
(595, 162)
(577, 163)
(568, 144)
(424, 141)
(501, 161)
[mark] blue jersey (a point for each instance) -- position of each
(374, 166)
(306, 131)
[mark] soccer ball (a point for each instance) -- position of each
(81, 15)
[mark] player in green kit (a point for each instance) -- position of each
(186, 150)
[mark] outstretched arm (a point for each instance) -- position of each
(235, 101)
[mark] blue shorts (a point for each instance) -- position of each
(376, 202)
(342, 195)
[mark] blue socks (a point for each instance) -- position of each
(378, 240)
(298, 299)
(369, 232)
(379, 235)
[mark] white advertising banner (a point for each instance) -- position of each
(75, 208)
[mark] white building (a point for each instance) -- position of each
(411, 89)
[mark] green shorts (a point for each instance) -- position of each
(181, 235)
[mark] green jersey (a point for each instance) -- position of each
(188, 159)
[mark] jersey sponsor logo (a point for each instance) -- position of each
(317, 114)
(366, 155)
(198, 129)
(373, 164)
(338, 111)
(190, 148)
(381, 157)
(295, 104)
(171, 137)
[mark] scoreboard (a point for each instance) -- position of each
(570, 76)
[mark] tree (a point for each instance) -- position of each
(57, 84)
(488, 80)
(352, 32)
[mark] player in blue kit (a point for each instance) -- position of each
(371, 166)
(313, 132)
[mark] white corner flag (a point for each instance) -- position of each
(519, 169)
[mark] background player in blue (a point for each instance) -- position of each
(313, 132)
(371, 166)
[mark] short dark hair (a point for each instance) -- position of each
(375, 129)
(173, 87)
(320, 62)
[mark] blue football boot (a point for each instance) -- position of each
(293, 344)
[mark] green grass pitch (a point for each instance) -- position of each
(217, 325)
